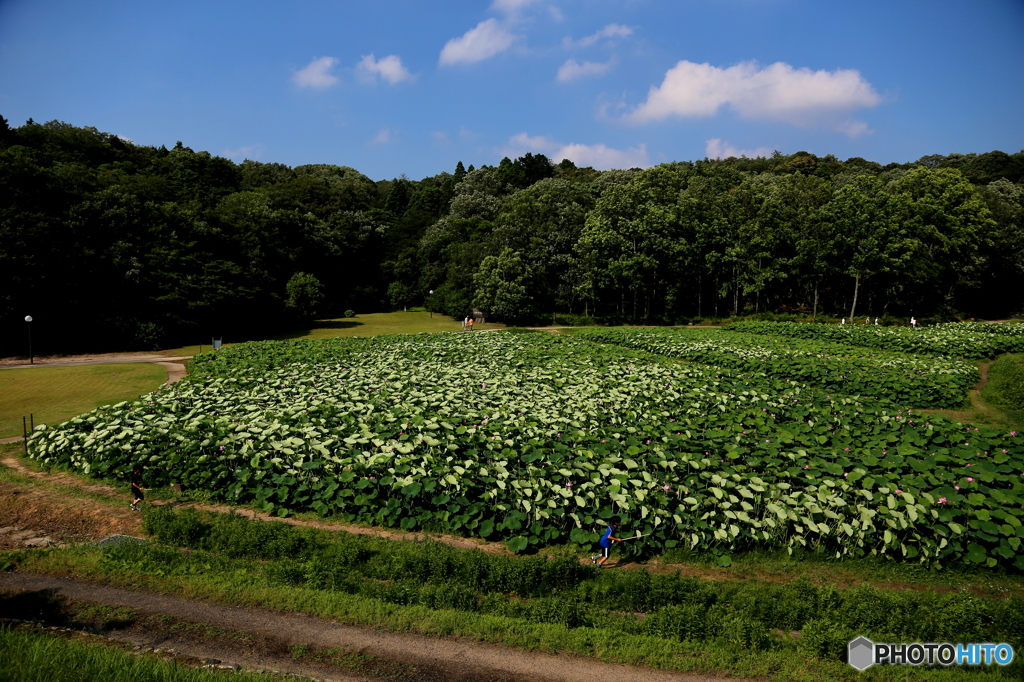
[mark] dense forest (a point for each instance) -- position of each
(114, 246)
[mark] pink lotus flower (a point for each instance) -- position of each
(898, 491)
(970, 480)
(665, 487)
(956, 487)
(942, 500)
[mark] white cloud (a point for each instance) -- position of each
(525, 143)
(777, 92)
(718, 149)
(609, 31)
(486, 40)
(604, 158)
(389, 68)
(599, 156)
(511, 6)
(252, 152)
(383, 137)
(440, 136)
(316, 74)
(572, 70)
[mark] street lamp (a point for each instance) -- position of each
(430, 303)
(28, 319)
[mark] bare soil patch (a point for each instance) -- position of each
(33, 514)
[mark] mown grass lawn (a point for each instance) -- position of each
(414, 321)
(54, 394)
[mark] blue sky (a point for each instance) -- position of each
(410, 86)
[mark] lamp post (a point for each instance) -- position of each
(430, 303)
(28, 320)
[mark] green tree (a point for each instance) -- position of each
(304, 295)
(501, 286)
(949, 226)
(873, 242)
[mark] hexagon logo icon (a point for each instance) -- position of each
(860, 653)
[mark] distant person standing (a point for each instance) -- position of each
(913, 322)
(137, 488)
(843, 321)
(876, 321)
(471, 323)
(465, 322)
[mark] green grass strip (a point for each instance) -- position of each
(33, 656)
(235, 586)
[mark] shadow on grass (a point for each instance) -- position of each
(320, 324)
(44, 605)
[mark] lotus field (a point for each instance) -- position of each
(907, 380)
(971, 340)
(536, 439)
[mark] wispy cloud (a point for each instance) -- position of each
(777, 92)
(316, 74)
(604, 158)
(511, 6)
(389, 68)
(572, 70)
(599, 156)
(489, 38)
(252, 152)
(719, 149)
(383, 136)
(609, 31)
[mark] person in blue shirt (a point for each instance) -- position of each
(606, 544)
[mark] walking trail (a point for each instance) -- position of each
(453, 658)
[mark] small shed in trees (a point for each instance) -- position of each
(478, 316)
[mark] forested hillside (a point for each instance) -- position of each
(114, 246)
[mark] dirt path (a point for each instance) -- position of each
(983, 372)
(95, 359)
(482, 661)
(49, 519)
(70, 480)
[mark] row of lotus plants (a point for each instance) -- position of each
(968, 340)
(534, 439)
(905, 379)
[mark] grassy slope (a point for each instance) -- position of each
(1005, 387)
(53, 394)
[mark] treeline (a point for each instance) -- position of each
(114, 246)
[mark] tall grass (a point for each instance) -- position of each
(531, 591)
(33, 656)
(1005, 387)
